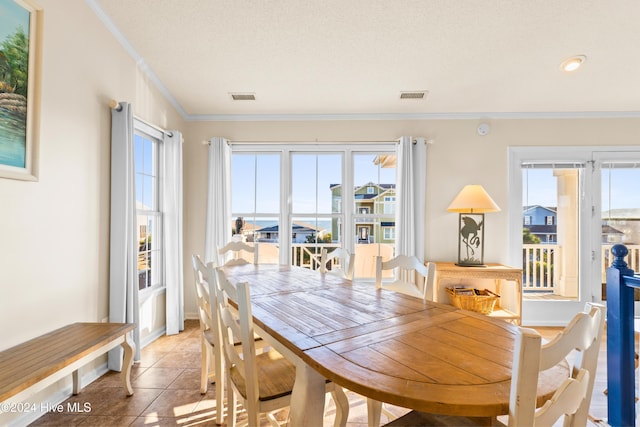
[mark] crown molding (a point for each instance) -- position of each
(140, 62)
(417, 116)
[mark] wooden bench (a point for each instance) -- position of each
(36, 364)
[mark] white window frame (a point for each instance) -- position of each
(389, 205)
(389, 233)
(560, 312)
(347, 216)
(148, 132)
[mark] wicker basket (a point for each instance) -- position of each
(481, 301)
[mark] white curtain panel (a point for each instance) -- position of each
(411, 180)
(123, 282)
(172, 200)
(218, 222)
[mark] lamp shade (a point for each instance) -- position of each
(473, 199)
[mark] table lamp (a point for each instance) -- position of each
(471, 203)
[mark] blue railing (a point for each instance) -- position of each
(621, 282)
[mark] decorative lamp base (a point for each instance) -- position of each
(471, 240)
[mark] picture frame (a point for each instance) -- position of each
(20, 50)
(471, 239)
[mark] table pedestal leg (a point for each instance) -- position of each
(307, 399)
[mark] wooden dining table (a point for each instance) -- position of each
(383, 345)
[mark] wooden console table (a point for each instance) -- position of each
(498, 273)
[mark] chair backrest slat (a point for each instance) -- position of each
(580, 338)
(237, 253)
(236, 324)
(341, 260)
(410, 273)
(206, 310)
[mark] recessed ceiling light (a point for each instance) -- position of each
(573, 63)
(413, 94)
(243, 96)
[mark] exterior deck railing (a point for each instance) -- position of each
(538, 261)
(538, 264)
(308, 254)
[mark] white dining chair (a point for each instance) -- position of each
(339, 262)
(237, 253)
(411, 277)
(580, 339)
(211, 366)
(263, 382)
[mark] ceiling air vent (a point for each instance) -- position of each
(243, 96)
(413, 95)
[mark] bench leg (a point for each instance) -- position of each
(75, 375)
(128, 347)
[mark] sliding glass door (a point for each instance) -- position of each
(568, 206)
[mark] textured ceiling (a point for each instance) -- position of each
(336, 57)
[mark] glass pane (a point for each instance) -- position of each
(315, 180)
(262, 229)
(155, 254)
(148, 192)
(620, 208)
(550, 218)
(148, 157)
(309, 236)
(375, 206)
(255, 183)
(138, 153)
(268, 183)
(243, 182)
(368, 169)
(144, 251)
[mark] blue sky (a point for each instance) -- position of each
(11, 16)
(312, 176)
(314, 173)
(624, 184)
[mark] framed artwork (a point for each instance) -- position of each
(471, 239)
(20, 77)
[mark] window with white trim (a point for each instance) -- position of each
(303, 197)
(147, 153)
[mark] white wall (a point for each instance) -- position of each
(458, 156)
(54, 244)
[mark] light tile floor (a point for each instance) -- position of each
(167, 381)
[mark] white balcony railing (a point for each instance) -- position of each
(538, 262)
(633, 259)
(537, 266)
(308, 254)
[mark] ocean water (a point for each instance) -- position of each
(13, 139)
(267, 223)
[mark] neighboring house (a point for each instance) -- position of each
(247, 229)
(299, 233)
(622, 225)
(541, 222)
(370, 199)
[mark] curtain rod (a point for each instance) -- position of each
(428, 141)
(115, 105)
